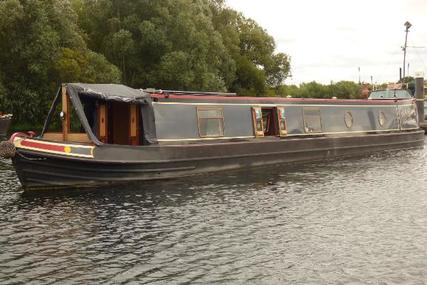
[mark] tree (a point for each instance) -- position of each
(345, 90)
(41, 45)
(169, 44)
(188, 44)
(340, 90)
(163, 44)
(258, 67)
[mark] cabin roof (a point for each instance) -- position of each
(108, 92)
(270, 100)
(122, 93)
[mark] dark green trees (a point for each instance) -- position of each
(40, 46)
(168, 44)
(340, 90)
(183, 44)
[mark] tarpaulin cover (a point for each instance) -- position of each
(108, 92)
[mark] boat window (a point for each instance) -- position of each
(390, 94)
(211, 121)
(55, 123)
(382, 119)
(281, 116)
(312, 120)
(348, 119)
(75, 124)
(258, 121)
(90, 108)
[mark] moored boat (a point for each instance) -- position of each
(5, 121)
(390, 94)
(98, 134)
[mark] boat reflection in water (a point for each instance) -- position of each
(104, 133)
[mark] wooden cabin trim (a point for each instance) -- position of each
(281, 118)
(53, 136)
(67, 135)
(79, 137)
(316, 109)
(134, 130)
(257, 131)
(72, 137)
(103, 122)
(66, 123)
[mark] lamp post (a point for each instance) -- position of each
(407, 25)
(359, 74)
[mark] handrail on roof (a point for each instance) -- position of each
(193, 93)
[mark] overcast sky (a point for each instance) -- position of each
(329, 40)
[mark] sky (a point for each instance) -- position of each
(330, 40)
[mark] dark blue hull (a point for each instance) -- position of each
(38, 170)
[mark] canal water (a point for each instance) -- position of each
(354, 221)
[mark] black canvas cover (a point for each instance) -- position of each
(108, 92)
(149, 124)
(114, 92)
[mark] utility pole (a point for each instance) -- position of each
(407, 25)
(359, 74)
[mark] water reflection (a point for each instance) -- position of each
(347, 221)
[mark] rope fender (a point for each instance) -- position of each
(7, 149)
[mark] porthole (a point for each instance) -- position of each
(382, 119)
(348, 119)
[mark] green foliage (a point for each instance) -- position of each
(184, 44)
(169, 44)
(345, 90)
(257, 66)
(40, 46)
(164, 44)
(84, 66)
(340, 90)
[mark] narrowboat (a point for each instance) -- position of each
(97, 134)
(5, 120)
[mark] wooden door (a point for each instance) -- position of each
(119, 123)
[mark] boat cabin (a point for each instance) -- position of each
(118, 115)
(97, 113)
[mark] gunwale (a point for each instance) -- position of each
(54, 171)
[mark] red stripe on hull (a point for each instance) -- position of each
(50, 147)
